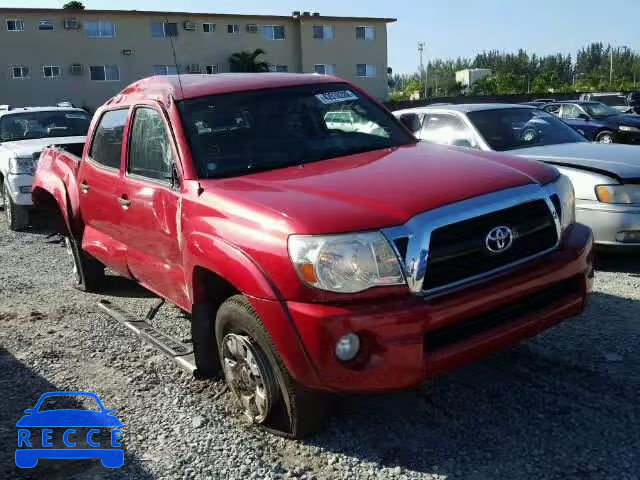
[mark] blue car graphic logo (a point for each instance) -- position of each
(69, 433)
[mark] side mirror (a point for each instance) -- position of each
(411, 121)
(584, 117)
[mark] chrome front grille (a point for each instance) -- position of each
(445, 248)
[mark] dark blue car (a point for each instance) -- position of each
(75, 431)
(598, 122)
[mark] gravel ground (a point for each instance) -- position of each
(562, 405)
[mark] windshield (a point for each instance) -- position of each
(240, 133)
(611, 100)
(69, 402)
(46, 124)
(599, 110)
(513, 128)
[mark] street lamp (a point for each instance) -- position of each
(611, 47)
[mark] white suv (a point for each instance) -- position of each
(24, 132)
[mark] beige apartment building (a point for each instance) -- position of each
(86, 56)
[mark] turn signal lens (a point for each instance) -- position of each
(624, 194)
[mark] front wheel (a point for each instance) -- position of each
(258, 378)
(87, 273)
(605, 137)
(17, 215)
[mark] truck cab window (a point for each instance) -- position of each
(150, 153)
(106, 148)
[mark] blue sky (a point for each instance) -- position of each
(449, 27)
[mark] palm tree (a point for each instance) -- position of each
(247, 61)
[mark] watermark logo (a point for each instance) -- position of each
(69, 425)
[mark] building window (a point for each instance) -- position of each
(366, 33)
(16, 25)
(365, 70)
(324, 69)
(46, 25)
(20, 72)
(324, 32)
(51, 71)
(164, 29)
(208, 27)
(104, 73)
(165, 70)
(278, 68)
(210, 69)
(233, 28)
(273, 32)
(100, 28)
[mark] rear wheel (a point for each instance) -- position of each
(605, 136)
(87, 273)
(256, 375)
(17, 215)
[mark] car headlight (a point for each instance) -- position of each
(22, 165)
(618, 193)
(564, 188)
(626, 128)
(345, 263)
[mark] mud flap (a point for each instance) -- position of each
(180, 353)
(204, 341)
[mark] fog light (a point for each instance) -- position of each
(25, 189)
(628, 237)
(348, 347)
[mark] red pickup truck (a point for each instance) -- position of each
(314, 258)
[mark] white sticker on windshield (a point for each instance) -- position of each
(336, 97)
(75, 115)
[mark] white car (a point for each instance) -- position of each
(24, 132)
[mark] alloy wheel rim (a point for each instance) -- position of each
(74, 263)
(606, 139)
(249, 376)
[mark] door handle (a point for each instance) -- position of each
(84, 186)
(124, 201)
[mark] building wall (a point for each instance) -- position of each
(299, 51)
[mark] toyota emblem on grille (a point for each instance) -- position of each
(499, 239)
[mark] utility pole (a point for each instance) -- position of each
(421, 51)
(610, 64)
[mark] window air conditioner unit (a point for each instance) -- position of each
(71, 24)
(76, 69)
(189, 25)
(252, 28)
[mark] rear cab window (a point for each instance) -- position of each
(106, 147)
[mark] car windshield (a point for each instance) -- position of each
(43, 124)
(600, 110)
(69, 402)
(240, 133)
(611, 100)
(513, 128)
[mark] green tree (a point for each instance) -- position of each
(247, 61)
(73, 5)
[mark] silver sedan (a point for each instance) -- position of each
(606, 178)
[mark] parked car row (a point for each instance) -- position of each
(319, 245)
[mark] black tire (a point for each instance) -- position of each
(296, 412)
(606, 136)
(87, 273)
(17, 216)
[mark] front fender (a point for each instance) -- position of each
(207, 251)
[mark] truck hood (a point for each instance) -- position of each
(622, 161)
(26, 148)
(373, 189)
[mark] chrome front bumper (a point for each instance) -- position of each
(607, 221)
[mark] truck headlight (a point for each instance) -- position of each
(626, 128)
(345, 263)
(22, 166)
(567, 196)
(618, 193)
